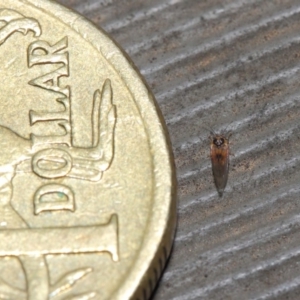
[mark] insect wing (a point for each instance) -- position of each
(220, 164)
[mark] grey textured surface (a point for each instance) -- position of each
(231, 65)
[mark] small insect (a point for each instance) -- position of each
(219, 154)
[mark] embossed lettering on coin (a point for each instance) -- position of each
(85, 171)
(51, 157)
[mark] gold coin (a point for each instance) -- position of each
(86, 174)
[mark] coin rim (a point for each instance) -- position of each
(160, 228)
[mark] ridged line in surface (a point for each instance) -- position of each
(233, 247)
(279, 290)
(211, 196)
(217, 72)
(260, 145)
(205, 200)
(89, 6)
(139, 15)
(239, 125)
(243, 211)
(212, 14)
(229, 37)
(258, 267)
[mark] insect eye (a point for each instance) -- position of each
(218, 141)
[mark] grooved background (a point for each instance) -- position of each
(231, 65)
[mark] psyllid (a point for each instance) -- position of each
(219, 154)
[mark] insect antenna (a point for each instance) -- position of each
(209, 130)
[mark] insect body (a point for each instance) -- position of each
(219, 153)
